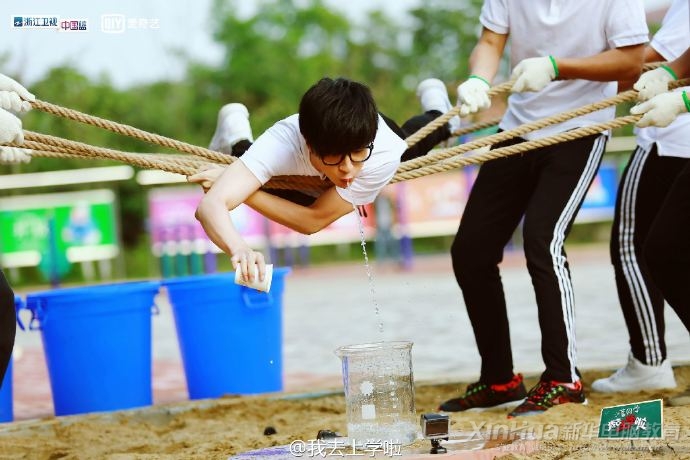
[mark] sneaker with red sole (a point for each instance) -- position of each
(546, 394)
(481, 396)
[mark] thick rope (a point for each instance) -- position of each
(218, 157)
(42, 149)
(443, 119)
(43, 142)
(71, 149)
(476, 127)
(86, 150)
(458, 162)
(445, 165)
(442, 154)
(44, 145)
(494, 91)
(132, 132)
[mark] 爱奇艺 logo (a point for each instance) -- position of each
(113, 23)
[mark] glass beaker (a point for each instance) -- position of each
(379, 392)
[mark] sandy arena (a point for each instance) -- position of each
(326, 307)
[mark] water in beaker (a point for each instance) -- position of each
(379, 392)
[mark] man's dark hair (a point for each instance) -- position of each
(338, 116)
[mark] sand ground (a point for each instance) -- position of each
(330, 306)
(221, 428)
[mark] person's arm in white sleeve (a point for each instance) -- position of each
(231, 189)
(237, 185)
(327, 208)
(484, 62)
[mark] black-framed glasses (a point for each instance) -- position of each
(358, 156)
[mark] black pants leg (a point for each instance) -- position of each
(667, 248)
(495, 206)
(645, 183)
(566, 172)
(547, 187)
(8, 325)
(413, 125)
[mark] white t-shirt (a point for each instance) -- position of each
(281, 150)
(563, 28)
(671, 41)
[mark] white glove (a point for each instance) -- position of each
(661, 110)
(9, 100)
(473, 95)
(654, 82)
(533, 74)
(7, 84)
(10, 128)
(9, 155)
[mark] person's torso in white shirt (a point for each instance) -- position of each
(281, 150)
(563, 28)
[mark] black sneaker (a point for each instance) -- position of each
(480, 396)
(546, 394)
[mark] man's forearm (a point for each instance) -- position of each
(215, 219)
(486, 55)
(302, 219)
(611, 65)
(681, 66)
(650, 55)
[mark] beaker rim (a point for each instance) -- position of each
(373, 346)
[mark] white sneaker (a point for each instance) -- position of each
(233, 126)
(433, 95)
(636, 376)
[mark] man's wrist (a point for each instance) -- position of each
(686, 100)
(479, 78)
(670, 71)
(555, 66)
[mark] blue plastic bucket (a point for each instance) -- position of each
(97, 344)
(230, 336)
(6, 401)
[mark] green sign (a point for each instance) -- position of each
(637, 420)
(51, 231)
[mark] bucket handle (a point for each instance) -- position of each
(35, 306)
(256, 299)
